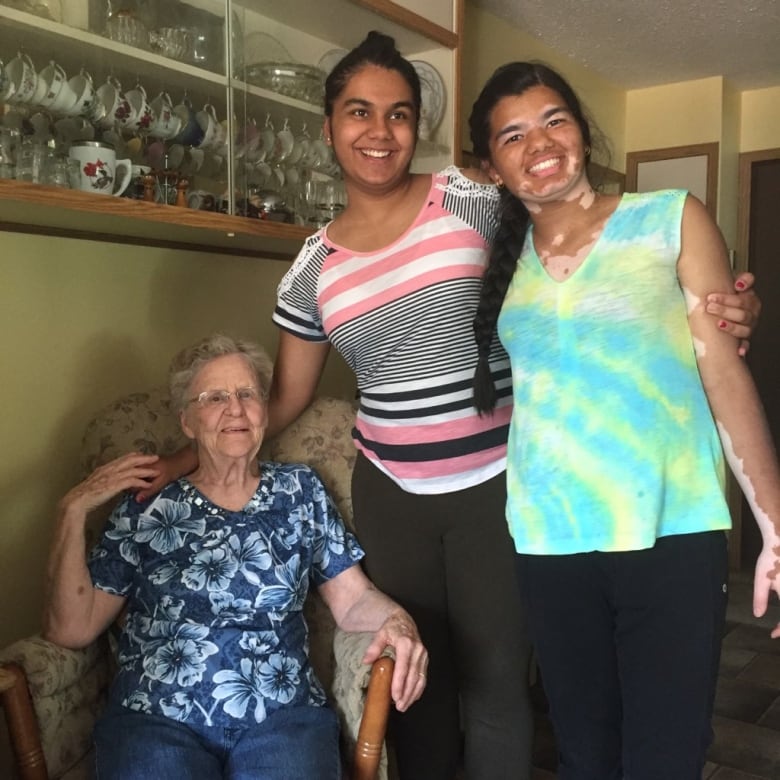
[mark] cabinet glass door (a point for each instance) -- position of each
(216, 105)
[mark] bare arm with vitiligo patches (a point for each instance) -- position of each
(703, 268)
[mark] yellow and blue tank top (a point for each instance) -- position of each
(612, 443)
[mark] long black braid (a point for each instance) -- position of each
(501, 267)
(511, 79)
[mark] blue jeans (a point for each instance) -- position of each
(299, 743)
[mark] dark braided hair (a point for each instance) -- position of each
(511, 79)
(375, 49)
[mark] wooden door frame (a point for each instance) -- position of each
(744, 185)
(711, 151)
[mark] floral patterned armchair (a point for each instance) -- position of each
(67, 688)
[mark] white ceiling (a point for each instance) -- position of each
(640, 43)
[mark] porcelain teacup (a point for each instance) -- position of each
(5, 84)
(154, 154)
(165, 122)
(284, 144)
(192, 161)
(175, 156)
(265, 144)
(202, 200)
(191, 132)
(58, 97)
(134, 112)
(109, 97)
(22, 79)
(100, 171)
(213, 132)
(83, 88)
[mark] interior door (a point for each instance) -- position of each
(759, 225)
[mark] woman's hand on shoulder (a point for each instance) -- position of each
(411, 658)
(127, 472)
(704, 270)
(737, 312)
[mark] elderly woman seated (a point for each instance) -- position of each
(214, 679)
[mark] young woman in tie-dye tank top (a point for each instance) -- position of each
(628, 400)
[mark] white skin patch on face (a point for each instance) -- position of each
(558, 240)
(737, 467)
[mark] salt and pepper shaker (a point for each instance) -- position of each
(181, 192)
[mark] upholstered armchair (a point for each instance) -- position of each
(51, 727)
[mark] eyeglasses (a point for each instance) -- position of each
(217, 399)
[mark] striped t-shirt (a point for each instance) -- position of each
(402, 319)
(612, 443)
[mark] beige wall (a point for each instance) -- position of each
(84, 322)
(679, 114)
(760, 120)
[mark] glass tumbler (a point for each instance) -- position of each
(60, 171)
(32, 160)
(124, 27)
(9, 145)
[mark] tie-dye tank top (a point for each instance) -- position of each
(612, 443)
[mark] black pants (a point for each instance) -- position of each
(449, 560)
(629, 645)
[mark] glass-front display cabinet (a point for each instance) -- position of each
(196, 121)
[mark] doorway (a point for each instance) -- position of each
(758, 251)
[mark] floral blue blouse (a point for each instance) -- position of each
(215, 630)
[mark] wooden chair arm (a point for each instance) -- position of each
(373, 724)
(22, 723)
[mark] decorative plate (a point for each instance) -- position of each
(261, 47)
(434, 94)
(330, 59)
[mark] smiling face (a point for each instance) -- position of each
(234, 430)
(536, 147)
(373, 129)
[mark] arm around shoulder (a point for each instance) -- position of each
(297, 370)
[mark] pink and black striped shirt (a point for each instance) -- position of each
(402, 319)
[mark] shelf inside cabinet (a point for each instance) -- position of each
(74, 48)
(259, 101)
(340, 21)
(36, 208)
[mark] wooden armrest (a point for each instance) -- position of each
(373, 724)
(22, 723)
